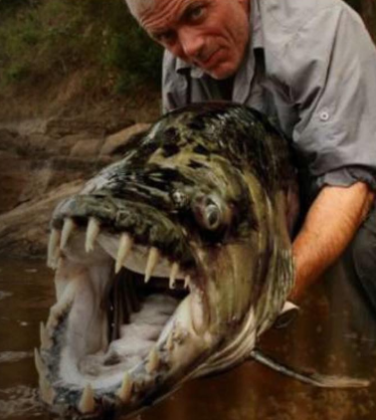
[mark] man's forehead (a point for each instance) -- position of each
(150, 5)
(138, 6)
(163, 10)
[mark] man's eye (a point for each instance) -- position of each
(165, 37)
(196, 13)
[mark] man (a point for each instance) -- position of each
(311, 66)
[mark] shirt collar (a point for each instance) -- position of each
(245, 74)
(182, 67)
(255, 26)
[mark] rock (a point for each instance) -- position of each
(24, 230)
(36, 185)
(39, 143)
(115, 142)
(61, 127)
(14, 175)
(39, 165)
(85, 148)
(63, 146)
(29, 192)
(11, 141)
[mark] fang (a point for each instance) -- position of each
(87, 402)
(125, 247)
(93, 229)
(68, 228)
(151, 263)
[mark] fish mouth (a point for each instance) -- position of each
(124, 310)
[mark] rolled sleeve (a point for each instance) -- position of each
(330, 66)
(345, 177)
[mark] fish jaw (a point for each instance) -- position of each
(81, 371)
(183, 210)
(252, 285)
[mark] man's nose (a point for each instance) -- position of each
(191, 42)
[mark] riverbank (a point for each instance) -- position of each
(46, 158)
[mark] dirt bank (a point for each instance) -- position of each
(46, 156)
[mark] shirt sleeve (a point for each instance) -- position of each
(330, 68)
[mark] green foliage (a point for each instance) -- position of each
(6, 5)
(355, 4)
(51, 38)
(46, 39)
(367, 10)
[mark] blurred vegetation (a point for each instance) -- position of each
(367, 9)
(52, 38)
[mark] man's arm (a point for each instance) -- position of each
(330, 224)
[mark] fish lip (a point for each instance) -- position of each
(148, 226)
(201, 291)
(196, 287)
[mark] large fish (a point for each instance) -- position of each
(170, 263)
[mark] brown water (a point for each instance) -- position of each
(251, 392)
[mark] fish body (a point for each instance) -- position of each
(170, 263)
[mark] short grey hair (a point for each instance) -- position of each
(136, 7)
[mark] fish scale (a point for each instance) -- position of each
(197, 208)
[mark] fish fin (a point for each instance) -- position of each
(287, 315)
(311, 378)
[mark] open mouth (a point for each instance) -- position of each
(136, 314)
(122, 311)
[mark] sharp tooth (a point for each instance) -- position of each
(187, 282)
(65, 300)
(68, 228)
(44, 338)
(153, 362)
(174, 272)
(125, 391)
(46, 391)
(53, 319)
(153, 259)
(53, 248)
(87, 402)
(125, 246)
(93, 229)
(39, 363)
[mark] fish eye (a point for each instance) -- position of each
(208, 213)
(213, 216)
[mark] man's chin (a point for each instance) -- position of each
(220, 73)
(222, 70)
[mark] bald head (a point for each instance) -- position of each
(211, 35)
(136, 7)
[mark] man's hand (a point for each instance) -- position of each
(330, 224)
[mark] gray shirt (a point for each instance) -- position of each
(311, 67)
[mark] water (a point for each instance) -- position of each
(26, 293)
(319, 339)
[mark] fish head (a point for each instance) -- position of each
(166, 265)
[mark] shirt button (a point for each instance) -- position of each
(324, 116)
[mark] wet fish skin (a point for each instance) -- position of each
(207, 187)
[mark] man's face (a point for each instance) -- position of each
(210, 34)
